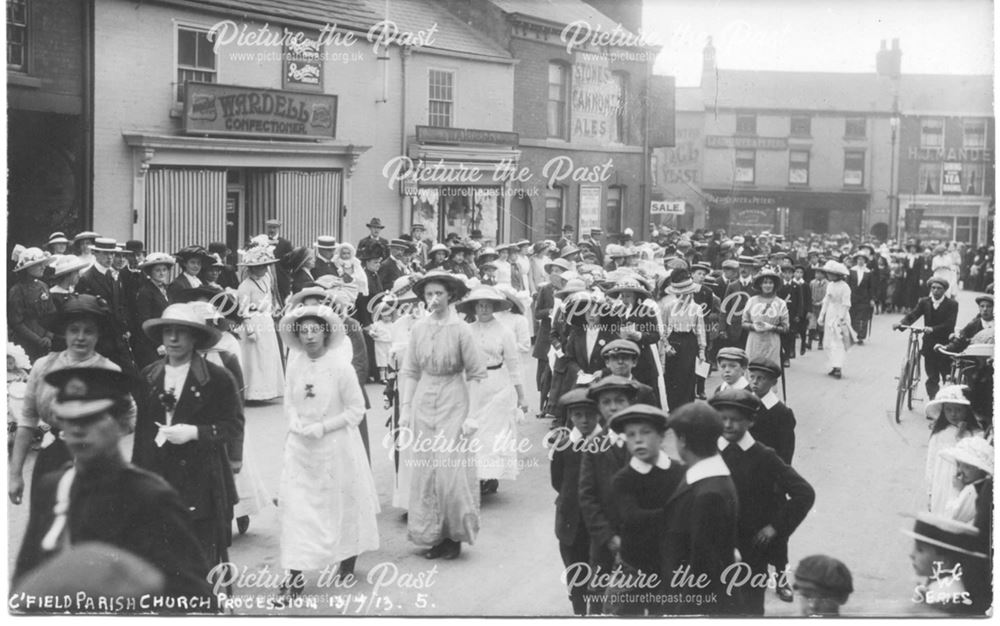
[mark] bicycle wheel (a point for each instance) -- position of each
(902, 388)
(914, 375)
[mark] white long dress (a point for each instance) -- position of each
(944, 267)
(836, 316)
(494, 402)
(327, 499)
(262, 370)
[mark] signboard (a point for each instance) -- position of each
(756, 220)
(666, 207)
(590, 208)
(952, 178)
(211, 109)
(434, 134)
(751, 143)
(302, 62)
(977, 155)
(594, 101)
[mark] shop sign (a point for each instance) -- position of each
(976, 155)
(933, 228)
(301, 62)
(666, 207)
(595, 101)
(752, 219)
(952, 178)
(590, 208)
(434, 134)
(742, 200)
(211, 109)
(750, 143)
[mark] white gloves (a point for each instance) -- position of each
(178, 433)
(469, 426)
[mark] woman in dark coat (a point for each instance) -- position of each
(150, 301)
(638, 321)
(191, 259)
(28, 301)
(588, 331)
(192, 417)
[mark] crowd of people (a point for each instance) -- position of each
(655, 473)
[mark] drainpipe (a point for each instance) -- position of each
(404, 58)
(86, 171)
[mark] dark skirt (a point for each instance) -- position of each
(678, 370)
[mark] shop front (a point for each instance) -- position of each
(457, 180)
(245, 156)
(792, 214)
(969, 222)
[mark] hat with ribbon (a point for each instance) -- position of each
(325, 242)
(681, 283)
(948, 394)
(631, 285)
(32, 257)
(86, 234)
(57, 237)
(157, 258)
(63, 264)
(947, 533)
(187, 316)
(105, 244)
(483, 294)
(289, 325)
(457, 285)
(768, 273)
(190, 252)
(257, 256)
(835, 267)
(562, 264)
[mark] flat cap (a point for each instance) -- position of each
(657, 418)
(826, 573)
(730, 264)
(733, 354)
(575, 396)
(620, 346)
(765, 365)
(609, 383)
(737, 398)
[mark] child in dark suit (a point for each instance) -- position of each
(580, 414)
(732, 363)
(773, 498)
(640, 489)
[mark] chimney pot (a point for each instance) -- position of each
(895, 44)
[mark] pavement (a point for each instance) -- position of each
(867, 472)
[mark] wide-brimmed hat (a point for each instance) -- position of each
(459, 248)
(948, 394)
(946, 533)
(329, 316)
(417, 226)
(315, 291)
(325, 242)
(647, 413)
(457, 285)
(190, 252)
(561, 263)
(86, 391)
(681, 283)
(483, 294)
(194, 294)
(510, 294)
(32, 257)
(63, 264)
(438, 247)
(57, 237)
(540, 246)
(257, 256)
(631, 284)
(568, 250)
(79, 306)
(375, 223)
(705, 267)
(487, 254)
(105, 244)
(400, 243)
(157, 258)
(86, 234)
(402, 290)
(768, 273)
(835, 267)
(182, 315)
(573, 285)
(974, 451)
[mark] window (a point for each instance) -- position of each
(554, 212)
(613, 210)
(745, 161)
(855, 127)
(967, 229)
(801, 126)
(17, 35)
(974, 134)
(558, 100)
(195, 58)
(854, 168)
(440, 98)
(931, 133)
(746, 124)
(798, 167)
(929, 178)
(619, 130)
(972, 178)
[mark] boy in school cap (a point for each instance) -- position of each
(775, 423)
(732, 363)
(823, 584)
(581, 417)
(620, 357)
(773, 498)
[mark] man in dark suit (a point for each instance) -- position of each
(580, 416)
(861, 280)
(940, 315)
(737, 295)
(374, 242)
(99, 280)
(324, 261)
(567, 237)
(773, 498)
(282, 246)
(544, 301)
(105, 498)
(700, 518)
(394, 266)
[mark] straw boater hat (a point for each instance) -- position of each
(835, 267)
(326, 314)
(949, 394)
(488, 254)
(681, 283)
(445, 278)
(438, 247)
(768, 273)
(87, 234)
(946, 533)
(32, 257)
(157, 258)
(325, 242)
(483, 294)
(86, 391)
(105, 244)
(63, 264)
(182, 315)
(57, 237)
(257, 256)
(974, 451)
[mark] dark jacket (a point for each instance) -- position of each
(736, 299)
(116, 346)
(28, 302)
(149, 304)
(389, 271)
(300, 279)
(283, 274)
(362, 310)
(942, 321)
(544, 301)
(374, 244)
(863, 291)
(576, 359)
(775, 428)
(647, 322)
(597, 471)
(565, 474)
(640, 499)
(964, 336)
(177, 286)
(128, 508)
(324, 267)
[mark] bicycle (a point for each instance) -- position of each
(909, 375)
(964, 364)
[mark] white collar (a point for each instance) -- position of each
(742, 383)
(986, 324)
(662, 462)
(706, 468)
(575, 436)
(745, 443)
(769, 399)
(936, 302)
(58, 289)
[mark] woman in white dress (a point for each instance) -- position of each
(499, 403)
(262, 371)
(835, 316)
(945, 267)
(327, 499)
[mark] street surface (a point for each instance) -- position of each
(867, 472)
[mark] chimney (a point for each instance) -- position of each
(889, 63)
(708, 61)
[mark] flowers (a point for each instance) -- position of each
(309, 391)
(168, 400)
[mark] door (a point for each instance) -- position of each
(234, 217)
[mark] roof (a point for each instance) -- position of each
(558, 12)
(805, 91)
(451, 34)
(348, 14)
(946, 93)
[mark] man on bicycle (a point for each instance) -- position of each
(940, 316)
(983, 321)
